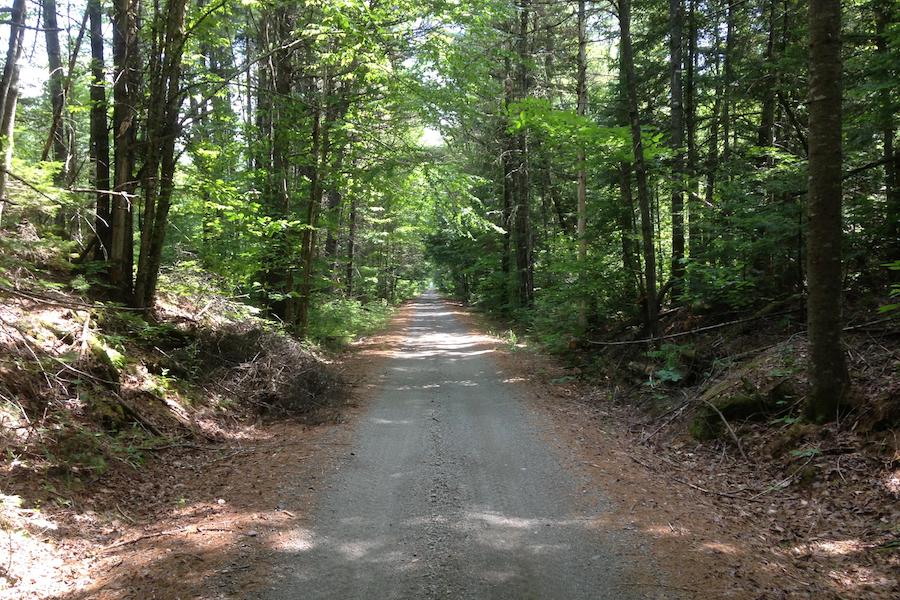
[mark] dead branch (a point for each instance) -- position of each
(693, 331)
(731, 431)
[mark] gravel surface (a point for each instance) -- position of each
(451, 490)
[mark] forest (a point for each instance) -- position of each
(661, 195)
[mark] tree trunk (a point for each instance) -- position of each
(507, 149)
(522, 182)
(676, 135)
(712, 154)
(626, 228)
(159, 165)
(99, 133)
(640, 167)
(694, 212)
(9, 92)
(829, 381)
(57, 93)
(126, 90)
(885, 15)
(319, 151)
(766, 134)
(351, 245)
(581, 229)
(728, 83)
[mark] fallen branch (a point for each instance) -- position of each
(728, 323)
(731, 431)
(694, 485)
(63, 302)
(675, 414)
(693, 331)
(134, 414)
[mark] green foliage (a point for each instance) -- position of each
(672, 357)
(895, 290)
(339, 320)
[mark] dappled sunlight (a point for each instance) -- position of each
(829, 548)
(497, 537)
(720, 547)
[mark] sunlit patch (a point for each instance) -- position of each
(499, 576)
(391, 422)
(829, 548)
(357, 550)
(544, 549)
(720, 548)
(499, 520)
(514, 380)
(443, 353)
(666, 530)
(858, 577)
(892, 483)
(300, 540)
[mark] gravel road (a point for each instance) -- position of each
(453, 490)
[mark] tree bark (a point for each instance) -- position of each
(694, 212)
(159, 164)
(829, 381)
(766, 134)
(626, 229)
(640, 167)
(522, 182)
(351, 246)
(885, 15)
(728, 83)
(9, 92)
(125, 101)
(57, 92)
(99, 133)
(581, 229)
(676, 139)
(319, 153)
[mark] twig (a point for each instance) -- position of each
(125, 516)
(64, 302)
(692, 331)
(24, 337)
(694, 485)
(783, 482)
(146, 536)
(734, 436)
(138, 416)
(85, 332)
(204, 309)
(676, 413)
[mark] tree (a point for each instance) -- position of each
(828, 377)
(676, 126)
(626, 59)
(582, 167)
(9, 92)
(99, 135)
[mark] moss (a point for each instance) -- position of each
(106, 362)
(109, 415)
(791, 438)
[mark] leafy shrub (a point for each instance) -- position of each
(339, 320)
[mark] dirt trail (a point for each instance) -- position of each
(451, 490)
